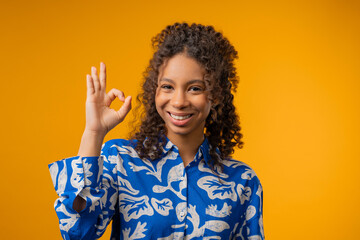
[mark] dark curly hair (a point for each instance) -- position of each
(215, 53)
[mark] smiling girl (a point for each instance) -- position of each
(174, 179)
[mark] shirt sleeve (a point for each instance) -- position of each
(95, 180)
(254, 212)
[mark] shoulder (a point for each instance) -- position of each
(119, 142)
(116, 145)
(235, 165)
(241, 172)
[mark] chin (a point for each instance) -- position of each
(179, 132)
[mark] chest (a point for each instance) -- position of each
(169, 201)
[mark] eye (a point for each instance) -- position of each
(196, 89)
(166, 87)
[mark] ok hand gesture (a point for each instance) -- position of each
(100, 118)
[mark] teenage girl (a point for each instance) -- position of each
(174, 179)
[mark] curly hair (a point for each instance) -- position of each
(215, 53)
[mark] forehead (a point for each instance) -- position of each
(181, 67)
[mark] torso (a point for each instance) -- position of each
(159, 199)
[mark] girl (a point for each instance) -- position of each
(174, 179)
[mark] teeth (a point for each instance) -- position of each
(180, 117)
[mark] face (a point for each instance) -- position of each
(182, 98)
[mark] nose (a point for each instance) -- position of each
(179, 99)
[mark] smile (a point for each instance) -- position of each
(176, 117)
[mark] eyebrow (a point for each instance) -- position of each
(190, 82)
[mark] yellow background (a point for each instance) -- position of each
(298, 100)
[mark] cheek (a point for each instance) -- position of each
(161, 99)
(160, 112)
(206, 107)
(159, 103)
(208, 104)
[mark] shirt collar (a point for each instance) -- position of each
(202, 153)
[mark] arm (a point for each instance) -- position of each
(94, 180)
(85, 184)
(100, 119)
(254, 212)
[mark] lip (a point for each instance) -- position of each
(178, 122)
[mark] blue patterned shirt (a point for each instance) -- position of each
(158, 199)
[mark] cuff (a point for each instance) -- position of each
(75, 173)
(71, 175)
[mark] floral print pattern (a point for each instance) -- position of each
(159, 199)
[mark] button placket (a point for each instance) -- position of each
(183, 179)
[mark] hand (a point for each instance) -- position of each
(100, 118)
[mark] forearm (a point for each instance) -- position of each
(76, 179)
(91, 143)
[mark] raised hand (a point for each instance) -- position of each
(100, 118)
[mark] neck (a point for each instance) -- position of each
(187, 145)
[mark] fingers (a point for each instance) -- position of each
(95, 79)
(95, 82)
(102, 75)
(90, 85)
(115, 93)
(126, 107)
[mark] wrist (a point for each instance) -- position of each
(94, 134)
(91, 143)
